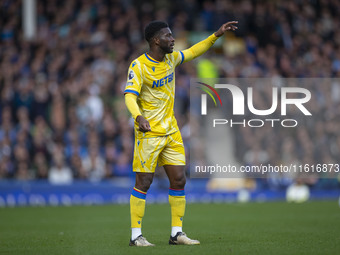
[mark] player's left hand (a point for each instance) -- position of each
(229, 26)
(144, 125)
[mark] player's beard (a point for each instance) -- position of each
(166, 48)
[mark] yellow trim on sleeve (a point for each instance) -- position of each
(199, 48)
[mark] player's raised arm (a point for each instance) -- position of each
(199, 48)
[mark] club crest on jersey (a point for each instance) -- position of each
(153, 68)
(133, 64)
(131, 75)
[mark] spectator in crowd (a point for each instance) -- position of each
(40, 166)
(60, 173)
(94, 165)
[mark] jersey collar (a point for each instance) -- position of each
(150, 58)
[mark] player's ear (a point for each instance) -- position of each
(156, 40)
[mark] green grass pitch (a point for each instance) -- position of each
(254, 228)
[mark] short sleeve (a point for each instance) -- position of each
(134, 78)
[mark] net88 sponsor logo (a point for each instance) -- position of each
(239, 103)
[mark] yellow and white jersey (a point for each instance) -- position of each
(154, 84)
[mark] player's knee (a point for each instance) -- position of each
(181, 183)
(147, 183)
(178, 182)
(144, 183)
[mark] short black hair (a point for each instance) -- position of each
(153, 28)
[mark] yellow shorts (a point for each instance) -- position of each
(166, 150)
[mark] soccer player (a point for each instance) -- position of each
(149, 96)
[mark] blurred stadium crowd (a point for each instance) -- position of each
(62, 112)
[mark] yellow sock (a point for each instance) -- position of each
(177, 204)
(137, 207)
